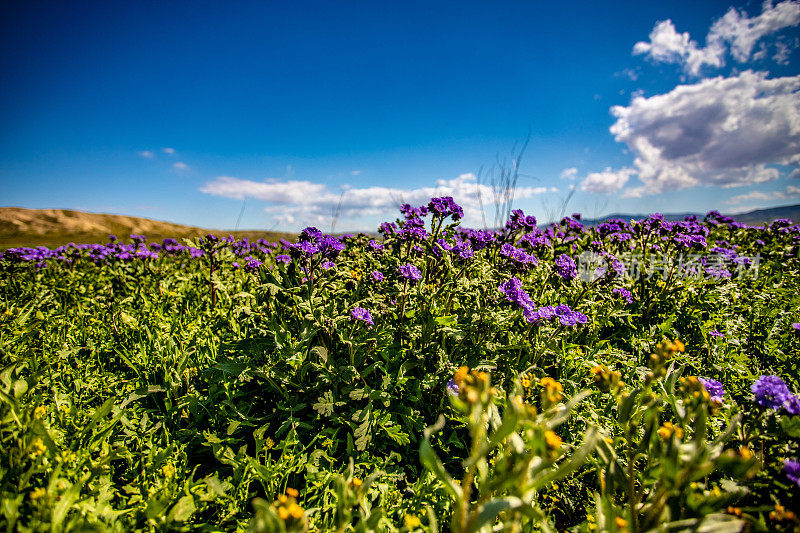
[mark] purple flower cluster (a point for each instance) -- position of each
(478, 239)
(512, 288)
(314, 244)
(791, 467)
(566, 268)
(410, 272)
(561, 312)
(773, 393)
(377, 276)
(518, 221)
(624, 294)
(445, 206)
(518, 259)
(714, 388)
(515, 294)
(359, 313)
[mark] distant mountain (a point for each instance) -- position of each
(755, 217)
(54, 227)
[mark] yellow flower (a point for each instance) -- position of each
(552, 390)
(292, 492)
(283, 512)
(745, 452)
(621, 522)
(37, 447)
(168, 470)
(38, 493)
(552, 440)
(39, 412)
(295, 510)
(667, 430)
(357, 482)
(412, 521)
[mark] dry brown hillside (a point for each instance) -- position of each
(53, 227)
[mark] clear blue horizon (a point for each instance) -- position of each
(190, 112)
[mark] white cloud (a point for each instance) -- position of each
(735, 32)
(169, 151)
(147, 154)
(355, 172)
(180, 165)
(608, 181)
(312, 203)
(569, 174)
(666, 45)
(720, 131)
(790, 192)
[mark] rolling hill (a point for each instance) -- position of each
(54, 227)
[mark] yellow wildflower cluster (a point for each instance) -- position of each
(667, 430)
(551, 391)
(412, 521)
(287, 508)
(37, 447)
(168, 470)
(37, 494)
(39, 412)
(607, 380)
(663, 352)
(780, 514)
(473, 386)
(694, 390)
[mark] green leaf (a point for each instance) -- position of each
(183, 510)
(430, 461)
(448, 320)
(791, 425)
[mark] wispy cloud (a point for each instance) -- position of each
(735, 32)
(607, 181)
(169, 151)
(308, 202)
(147, 154)
(790, 192)
(569, 174)
(180, 165)
(355, 172)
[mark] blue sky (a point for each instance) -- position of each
(192, 111)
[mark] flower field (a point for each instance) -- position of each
(630, 376)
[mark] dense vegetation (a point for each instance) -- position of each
(631, 376)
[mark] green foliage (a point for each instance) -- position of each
(182, 393)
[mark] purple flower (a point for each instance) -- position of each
(512, 288)
(377, 276)
(283, 258)
(327, 265)
(252, 265)
(452, 388)
(623, 293)
(714, 388)
(410, 272)
(715, 333)
(770, 391)
(565, 267)
(359, 313)
(796, 327)
(792, 405)
(791, 468)
(375, 245)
